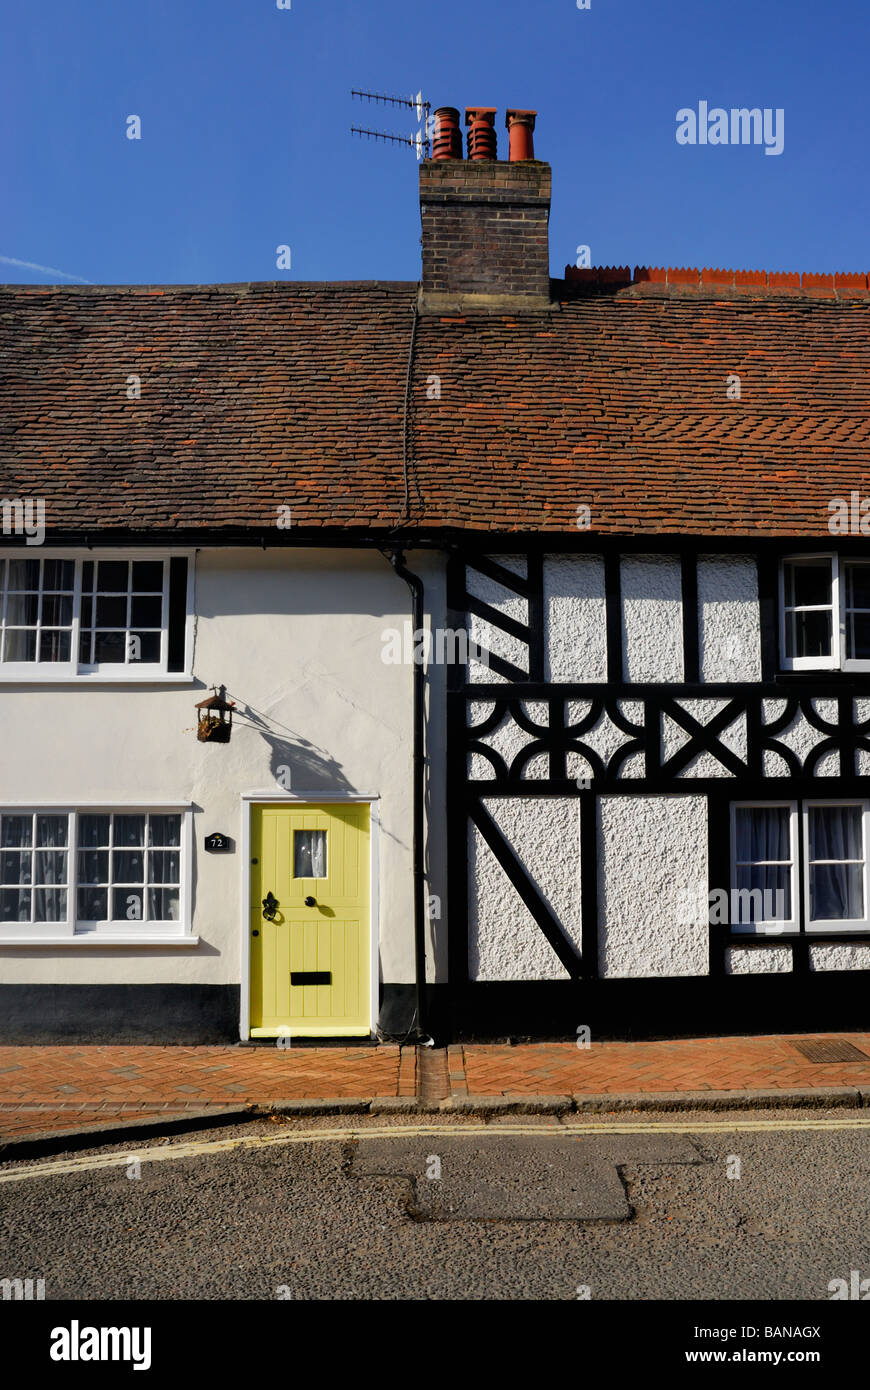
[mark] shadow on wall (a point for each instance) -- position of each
(294, 763)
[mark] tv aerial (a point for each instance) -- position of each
(420, 141)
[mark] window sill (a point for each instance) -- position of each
(66, 678)
(98, 939)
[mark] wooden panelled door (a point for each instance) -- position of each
(310, 942)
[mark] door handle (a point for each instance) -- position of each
(310, 902)
(270, 906)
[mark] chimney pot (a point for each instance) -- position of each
(447, 142)
(481, 132)
(520, 125)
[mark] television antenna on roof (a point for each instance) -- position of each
(420, 141)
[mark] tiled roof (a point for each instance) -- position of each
(255, 397)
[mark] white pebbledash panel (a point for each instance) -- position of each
(729, 626)
(504, 940)
(576, 618)
(484, 634)
(652, 886)
(758, 960)
(840, 955)
(652, 617)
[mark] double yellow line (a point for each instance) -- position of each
(208, 1148)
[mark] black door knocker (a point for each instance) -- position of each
(270, 907)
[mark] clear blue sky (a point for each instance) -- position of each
(246, 113)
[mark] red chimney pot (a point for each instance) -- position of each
(447, 141)
(481, 132)
(520, 125)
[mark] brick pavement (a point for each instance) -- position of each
(686, 1064)
(51, 1088)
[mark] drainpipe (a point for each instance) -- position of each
(415, 584)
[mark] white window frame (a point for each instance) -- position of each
(781, 926)
(106, 673)
(837, 924)
(135, 933)
(837, 661)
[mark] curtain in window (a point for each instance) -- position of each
(309, 854)
(50, 869)
(763, 864)
(836, 886)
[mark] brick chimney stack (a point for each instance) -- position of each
(485, 240)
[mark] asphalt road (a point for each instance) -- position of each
(547, 1214)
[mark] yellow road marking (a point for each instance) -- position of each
(206, 1148)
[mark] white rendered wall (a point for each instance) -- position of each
(652, 886)
(486, 635)
(504, 940)
(652, 616)
(576, 618)
(297, 638)
(729, 624)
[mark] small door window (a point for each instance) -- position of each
(309, 854)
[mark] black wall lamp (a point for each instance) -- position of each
(215, 717)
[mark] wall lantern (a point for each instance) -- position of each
(215, 718)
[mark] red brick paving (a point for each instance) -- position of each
(48, 1088)
(687, 1064)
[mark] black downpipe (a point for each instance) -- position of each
(415, 584)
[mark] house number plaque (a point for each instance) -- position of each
(218, 842)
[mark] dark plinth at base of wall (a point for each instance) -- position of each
(119, 1013)
(397, 1016)
(614, 1010)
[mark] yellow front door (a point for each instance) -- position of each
(310, 945)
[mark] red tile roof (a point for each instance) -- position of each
(255, 397)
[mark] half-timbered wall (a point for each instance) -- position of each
(620, 702)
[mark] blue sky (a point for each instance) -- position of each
(246, 113)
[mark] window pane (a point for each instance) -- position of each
(858, 636)
(109, 647)
(147, 576)
(54, 644)
(763, 832)
(808, 633)
(15, 867)
(49, 904)
(763, 894)
(58, 574)
(23, 574)
(52, 831)
(88, 576)
(92, 904)
(21, 609)
(129, 830)
(164, 830)
(128, 866)
(49, 866)
(93, 866)
(20, 645)
(163, 904)
(86, 648)
(857, 585)
(146, 612)
(111, 612)
(309, 854)
(835, 832)
(93, 830)
(14, 905)
(57, 610)
(127, 904)
(836, 892)
(112, 576)
(807, 582)
(145, 646)
(16, 832)
(164, 866)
